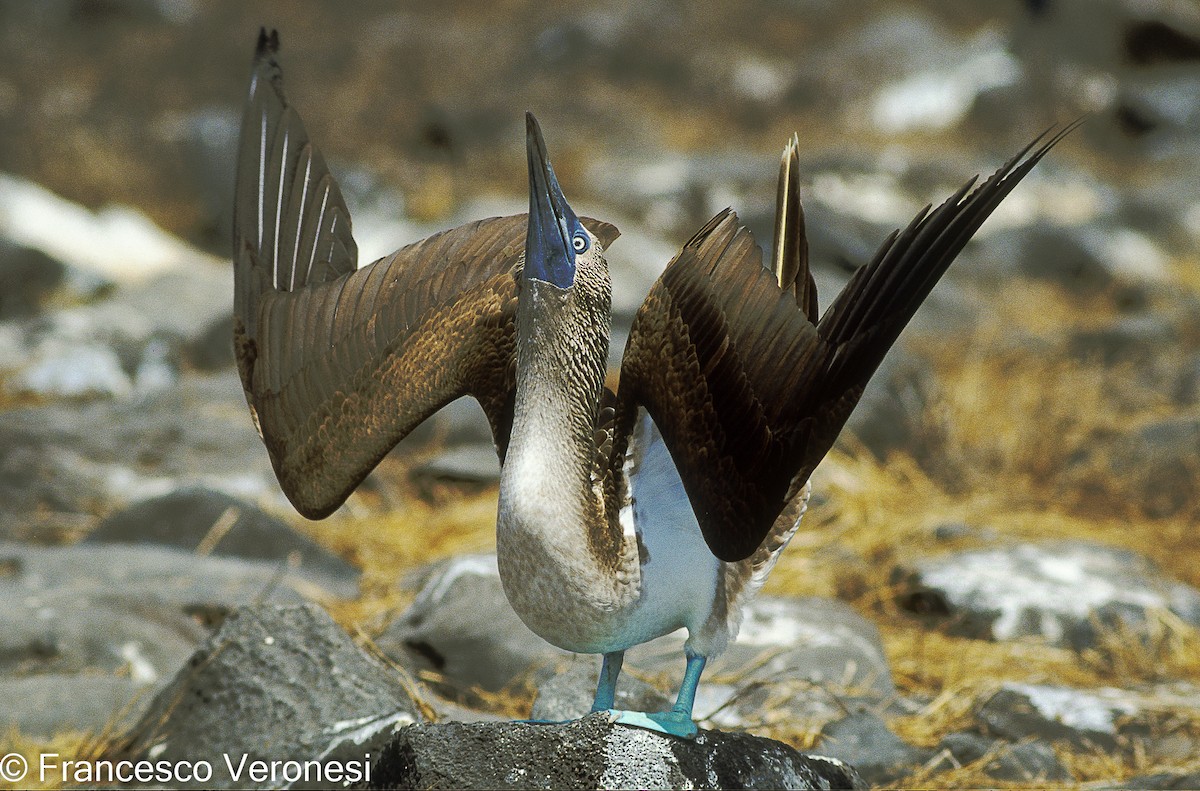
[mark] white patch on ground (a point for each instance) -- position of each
(758, 79)
(116, 242)
(774, 622)
(641, 759)
(1131, 254)
(1095, 711)
(360, 730)
(478, 565)
(938, 99)
(72, 371)
(872, 196)
(1054, 585)
(141, 670)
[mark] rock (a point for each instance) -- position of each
(62, 464)
(274, 684)
(462, 626)
(1155, 462)
(1058, 592)
(1143, 721)
(879, 755)
(794, 660)
(1023, 762)
(27, 276)
(119, 620)
(212, 348)
(1125, 340)
(569, 692)
(192, 518)
(889, 414)
(594, 753)
(46, 705)
(468, 464)
(56, 631)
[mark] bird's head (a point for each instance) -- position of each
(557, 241)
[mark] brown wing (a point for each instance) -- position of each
(749, 394)
(339, 365)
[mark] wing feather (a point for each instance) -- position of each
(747, 387)
(340, 363)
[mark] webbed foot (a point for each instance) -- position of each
(673, 723)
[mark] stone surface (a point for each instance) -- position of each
(49, 704)
(594, 753)
(27, 276)
(462, 627)
(1145, 721)
(1156, 461)
(879, 755)
(61, 465)
(212, 522)
(278, 684)
(93, 631)
(568, 692)
(1023, 762)
(1059, 592)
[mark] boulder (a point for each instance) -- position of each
(274, 684)
(1065, 593)
(595, 753)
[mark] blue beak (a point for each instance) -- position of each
(549, 256)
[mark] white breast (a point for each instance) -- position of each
(679, 573)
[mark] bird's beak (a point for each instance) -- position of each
(549, 256)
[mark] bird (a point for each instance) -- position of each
(624, 514)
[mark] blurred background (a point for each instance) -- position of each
(1039, 418)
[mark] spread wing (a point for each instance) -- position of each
(748, 389)
(339, 363)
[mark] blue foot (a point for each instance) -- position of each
(672, 723)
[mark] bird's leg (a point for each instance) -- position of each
(678, 720)
(606, 688)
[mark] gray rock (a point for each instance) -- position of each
(469, 464)
(879, 755)
(110, 624)
(1159, 781)
(44, 706)
(568, 693)
(1059, 592)
(100, 631)
(594, 753)
(27, 276)
(462, 626)
(1023, 762)
(276, 684)
(194, 516)
(60, 465)
(1156, 461)
(1128, 339)
(795, 660)
(1081, 718)
(1139, 721)
(889, 414)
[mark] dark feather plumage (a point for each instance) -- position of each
(748, 392)
(340, 364)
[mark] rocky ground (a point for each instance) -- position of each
(998, 581)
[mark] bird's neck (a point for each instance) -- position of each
(547, 490)
(562, 348)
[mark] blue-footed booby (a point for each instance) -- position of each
(622, 516)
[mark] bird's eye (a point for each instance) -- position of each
(580, 242)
